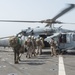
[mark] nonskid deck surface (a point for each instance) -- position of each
(40, 65)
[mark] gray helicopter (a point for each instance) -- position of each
(45, 32)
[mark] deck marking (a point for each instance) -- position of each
(61, 66)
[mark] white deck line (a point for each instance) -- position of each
(61, 66)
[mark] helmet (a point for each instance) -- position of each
(40, 38)
(32, 37)
(29, 36)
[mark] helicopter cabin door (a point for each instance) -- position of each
(62, 38)
(62, 41)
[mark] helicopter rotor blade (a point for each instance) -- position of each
(71, 6)
(20, 21)
(51, 21)
(58, 22)
(65, 23)
(48, 21)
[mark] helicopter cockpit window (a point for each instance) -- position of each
(62, 38)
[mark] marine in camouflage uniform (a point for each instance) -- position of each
(15, 44)
(33, 45)
(29, 47)
(39, 44)
(53, 47)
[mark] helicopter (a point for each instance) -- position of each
(47, 31)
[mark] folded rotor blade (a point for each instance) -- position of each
(64, 11)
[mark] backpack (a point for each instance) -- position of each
(29, 42)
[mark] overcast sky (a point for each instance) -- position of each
(32, 10)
